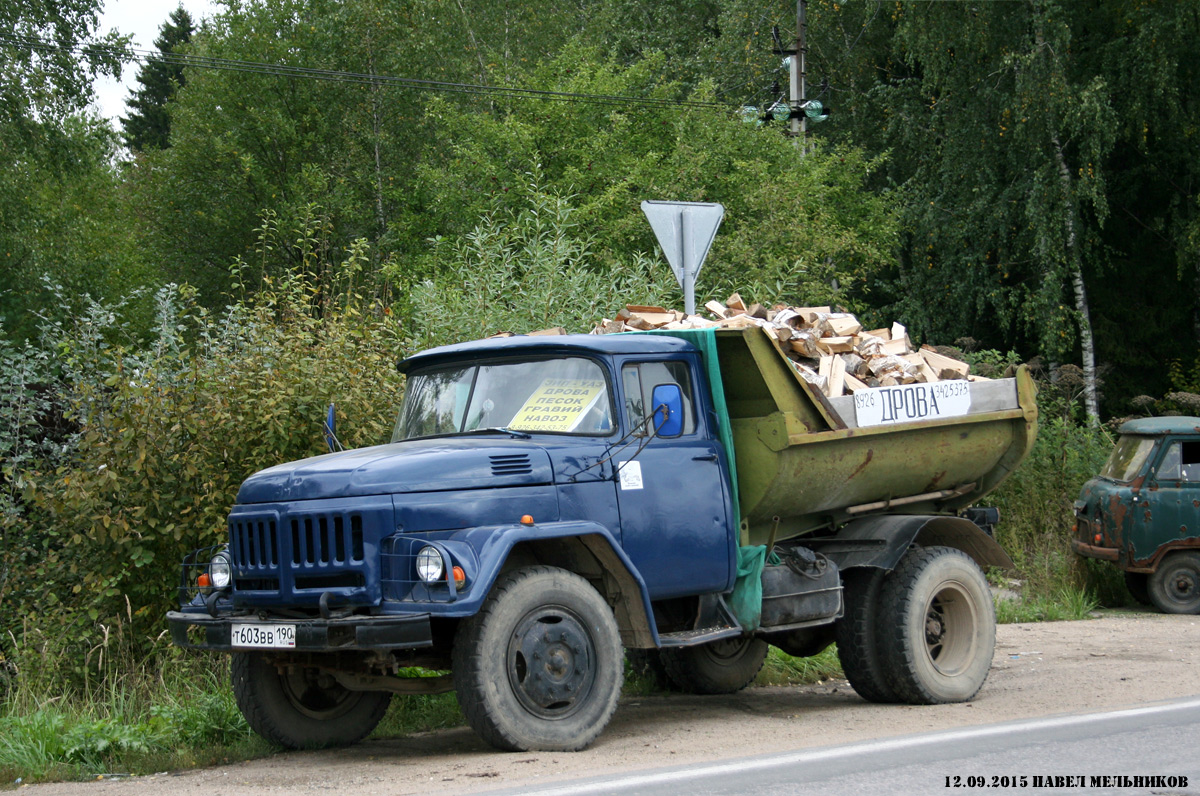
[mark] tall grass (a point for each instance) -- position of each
(139, 713)
(134, 714)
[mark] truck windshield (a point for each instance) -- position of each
(567, 395)
(1127, 458)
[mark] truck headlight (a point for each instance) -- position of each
(430, 567)
(220, 570)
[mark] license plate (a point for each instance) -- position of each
(263, 636)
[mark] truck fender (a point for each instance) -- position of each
(586, 548)
(882, 540)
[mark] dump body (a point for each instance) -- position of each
(804, 459)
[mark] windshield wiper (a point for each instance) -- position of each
(494, 429)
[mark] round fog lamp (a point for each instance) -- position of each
(220, 570)
(430, 567)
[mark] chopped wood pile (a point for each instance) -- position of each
(830, 350)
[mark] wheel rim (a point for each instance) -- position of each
(316, 694)
(1182, 586)
(726, 651)
(950, 621)
(551, 662)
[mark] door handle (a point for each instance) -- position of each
(705, 457)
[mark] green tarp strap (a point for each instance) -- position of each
(746, 600)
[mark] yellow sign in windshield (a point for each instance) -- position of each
(558, 405)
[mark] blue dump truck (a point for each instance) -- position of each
(547, 502)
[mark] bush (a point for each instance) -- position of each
(1036, 502)
(521, 271)
(167, 431)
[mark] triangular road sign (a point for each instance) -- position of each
(685, 231)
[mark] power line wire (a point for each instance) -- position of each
(354, 78)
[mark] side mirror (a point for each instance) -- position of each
(667, 402)
(331, 429)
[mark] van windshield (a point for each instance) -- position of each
(566, 395)
(1127, 458)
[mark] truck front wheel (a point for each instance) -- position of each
(1175, 586)
(540, 665)
(718, 667)
(937, 627)
(302, 707)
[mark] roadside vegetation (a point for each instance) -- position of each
(183, 298)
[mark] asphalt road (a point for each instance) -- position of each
(1093, 753)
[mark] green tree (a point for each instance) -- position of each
(58, 187)
(1047, 170)
(796, 228)
(148, 124)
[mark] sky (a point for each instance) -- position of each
(142, 18)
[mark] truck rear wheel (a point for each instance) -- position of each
(718, 667)
(302, 707)
(937, 627)
(541, 665)
(1175, 586)
(857, 635)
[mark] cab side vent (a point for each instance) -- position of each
(511, 464)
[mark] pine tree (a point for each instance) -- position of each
(148, 125)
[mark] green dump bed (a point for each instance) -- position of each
(815, 462)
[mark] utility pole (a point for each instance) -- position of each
(797, 90)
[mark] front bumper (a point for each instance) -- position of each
(411, 631)
(1095, 551)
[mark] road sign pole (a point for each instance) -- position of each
(685, 231)
(689, 259)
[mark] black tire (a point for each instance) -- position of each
(857, 635)
(302, 707)
(718, 667)
(1139, 587)
(540, 666)
(937, 627)
(1175, 586)
(647, 664)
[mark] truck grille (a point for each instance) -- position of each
(255, 543)
(326, 539)
(292, 554)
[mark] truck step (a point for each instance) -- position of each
(690, 638)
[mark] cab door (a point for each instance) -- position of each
(672, 493)
(1173, 501)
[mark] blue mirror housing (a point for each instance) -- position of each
(667, 400)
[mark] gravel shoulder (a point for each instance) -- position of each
(1118, 659)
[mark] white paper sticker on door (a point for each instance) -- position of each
(631, 475)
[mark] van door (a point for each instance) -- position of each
(1173, 499)
(672, 493)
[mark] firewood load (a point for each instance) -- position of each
(830, 350)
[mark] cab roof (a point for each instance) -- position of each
(628, 343)
(1158, 426)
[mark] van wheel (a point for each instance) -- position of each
(857, 635)
(1175, 586)
(302, 707)
(937, 627)
(718, 667)
(540, 666)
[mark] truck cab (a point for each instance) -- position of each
(1142, 512)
